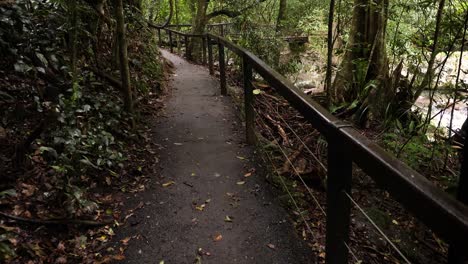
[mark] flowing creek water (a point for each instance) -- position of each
(311, 76)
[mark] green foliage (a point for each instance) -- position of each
(86, 127)
(260, 43)
(415, 148)
(313, 22)
(6, 251)
(84, 138)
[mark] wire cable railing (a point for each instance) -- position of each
(374, 225)
(377, 228)
(296, 172)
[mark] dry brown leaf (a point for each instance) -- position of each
(218, 237)
(167, 184)
(28, 190)
(125, 240)
(271, 246)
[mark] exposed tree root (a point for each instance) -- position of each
(62, 221)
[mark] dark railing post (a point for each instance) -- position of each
(159, 37)
(170, 41)
(248, 102)
(203, 39)
(210, 55)
(338, 204)
(457, 251)
(179, 43)
(222, 30)
(222, 68)
(186, 47)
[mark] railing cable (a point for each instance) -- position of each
(297, 136)
(292, 165)
(352, 252)
(290, 195)
(380, 231)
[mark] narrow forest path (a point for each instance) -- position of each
(207, 207)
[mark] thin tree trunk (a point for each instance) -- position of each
(281, 15)
(457, 82)
(123, 57)
(198, 27)
(73, 39)
(328, 77)
(176, 9)
(427, 81)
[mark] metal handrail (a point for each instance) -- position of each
(435, 208)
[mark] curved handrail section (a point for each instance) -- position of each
(437, 209)
(431, 205)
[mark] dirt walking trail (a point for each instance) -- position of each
(211, 204)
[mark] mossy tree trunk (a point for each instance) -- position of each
(361, 77)
(123, 57)
(198, 27)
(281, 15)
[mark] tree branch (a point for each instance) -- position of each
(223, 12)
(231, 13)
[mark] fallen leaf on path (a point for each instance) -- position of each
(178, 144)
(240, 157)
(227, 219)
(218, 238)
(125, 240)
(202, 252)
(240, 182)
(201, 207)
(169, 183)
(271, 246)
(248, 174)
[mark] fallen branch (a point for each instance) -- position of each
(63, 221)
(287, 163)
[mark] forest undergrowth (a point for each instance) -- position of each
(68, 150)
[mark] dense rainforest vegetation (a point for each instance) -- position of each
(80, 79)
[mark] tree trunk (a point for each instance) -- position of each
(427, 81)
(328, 77)
(123, 57)
(199, 24)
(364, 69)
(281, 15)
(176, 10)
(73, 39)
